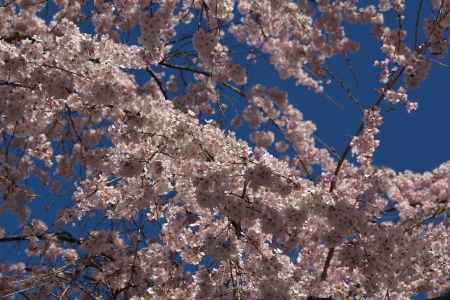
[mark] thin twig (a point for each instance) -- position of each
(158, 82)
(416, 28)
(347, 90)
(439, 63)
(184, 68)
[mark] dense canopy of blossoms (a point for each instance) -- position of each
(229, 216)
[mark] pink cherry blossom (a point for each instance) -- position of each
(145, 198)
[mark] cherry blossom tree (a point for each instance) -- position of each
(229, 213)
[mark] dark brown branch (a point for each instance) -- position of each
(17, 37)
(158, 82)
(389, 85)
(14, 84)
(323, 275)
(62, 236)
(72, 123)
(184, 68)
(391, 82)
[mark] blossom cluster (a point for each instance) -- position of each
(364, 145)
(228, 217)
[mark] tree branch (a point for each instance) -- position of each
(158, 82)
(63, 236)
(389, 85)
